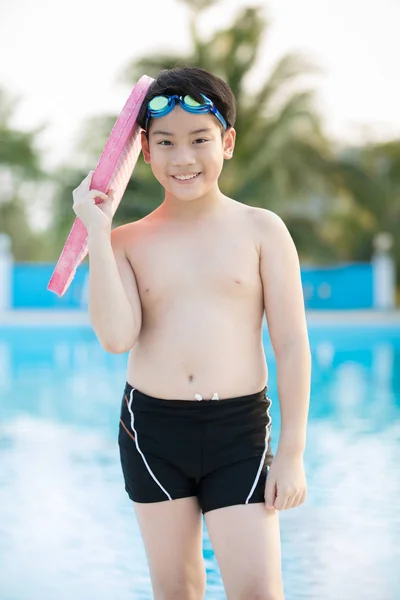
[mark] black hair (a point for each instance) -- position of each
(194, 82)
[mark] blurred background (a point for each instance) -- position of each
(318, 127)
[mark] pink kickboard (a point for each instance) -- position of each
(114, 169)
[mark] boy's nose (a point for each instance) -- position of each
(183, 158)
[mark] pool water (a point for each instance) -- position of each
(67, 528)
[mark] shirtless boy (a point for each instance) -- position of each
(184, 290)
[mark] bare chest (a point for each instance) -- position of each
(217, 265)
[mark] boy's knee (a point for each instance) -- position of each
(260, 594)
(180, 588)
(179, 592)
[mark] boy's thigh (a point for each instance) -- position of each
(247, 545)
(172, 534)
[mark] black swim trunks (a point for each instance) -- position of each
(217, 450)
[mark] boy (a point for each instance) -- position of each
(184, 290)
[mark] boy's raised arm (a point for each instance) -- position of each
(114, 303)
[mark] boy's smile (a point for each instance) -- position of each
(186, 178)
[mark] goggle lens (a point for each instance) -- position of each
(158, 103)
(191, 102)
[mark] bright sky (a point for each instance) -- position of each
(63, 58)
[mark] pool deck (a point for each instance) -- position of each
(34, 318)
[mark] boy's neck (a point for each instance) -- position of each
(175, 209)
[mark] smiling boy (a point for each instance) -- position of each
(184, 290)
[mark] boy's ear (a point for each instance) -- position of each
(229, 143)
(145, 147)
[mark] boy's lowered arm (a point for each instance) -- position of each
(114, 303)
(286, 320)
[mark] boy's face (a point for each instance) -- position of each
(183, 144)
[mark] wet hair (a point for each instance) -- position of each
(194, 82)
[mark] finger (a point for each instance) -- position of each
(87, 181)
(282, 503)
(289, 503)
(293, 501)
(284, 499)
(302, 498)
(97, 194)
(279, 503)
(270, 493)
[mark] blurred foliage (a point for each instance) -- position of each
(19, 165)
(333, 200)
(376, 207)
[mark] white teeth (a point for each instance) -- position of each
(185, 177)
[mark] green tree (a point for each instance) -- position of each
(374, 205)
(19, 166)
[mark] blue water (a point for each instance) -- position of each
(67, 529)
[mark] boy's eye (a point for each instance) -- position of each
(169, 143)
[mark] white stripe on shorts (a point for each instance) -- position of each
(267, 430)
(138, 448)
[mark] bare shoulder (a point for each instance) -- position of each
(124, 236)
(266, 221)
(267, 227)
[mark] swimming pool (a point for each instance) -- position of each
(67, 529)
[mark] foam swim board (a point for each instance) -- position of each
(114, 169)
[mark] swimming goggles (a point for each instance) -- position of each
(160, 106)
